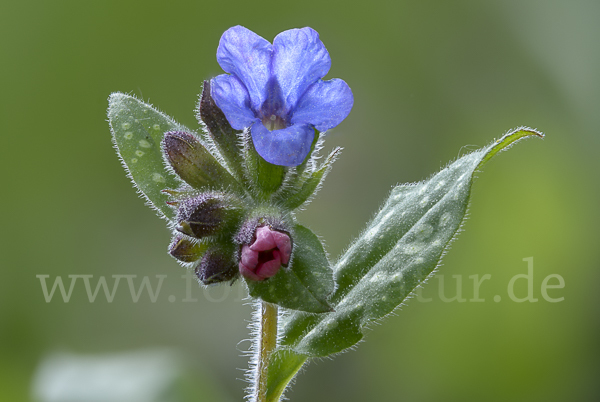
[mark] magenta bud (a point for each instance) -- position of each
(216, 266)
(266, 254)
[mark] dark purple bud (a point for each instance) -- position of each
(215, 120)
(208, 214)
(266, 254)
(193, 163)
(216, 266)
(224, 136)
(186, 250)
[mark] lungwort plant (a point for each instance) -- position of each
(229, 192)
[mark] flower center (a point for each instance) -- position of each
(273, 122)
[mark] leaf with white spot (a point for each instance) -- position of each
(137, 129)
(399, 249)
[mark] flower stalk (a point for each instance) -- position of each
(266, 345)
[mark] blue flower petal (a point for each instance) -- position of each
(299, 60)
(324, 105)
(232, 98)
(246, 55)
(286, 147)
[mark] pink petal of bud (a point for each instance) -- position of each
(284, 244)
(263, 258)
(248, 273)
(269, 268)
(264, 239)
(249, 257)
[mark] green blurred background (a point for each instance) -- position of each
(431, 80)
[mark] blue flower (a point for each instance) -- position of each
(277, 91)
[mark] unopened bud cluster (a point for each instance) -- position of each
(234, 210)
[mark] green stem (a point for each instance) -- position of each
(266, 345)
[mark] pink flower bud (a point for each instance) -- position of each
(263, 258)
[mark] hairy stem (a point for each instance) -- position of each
(266, 345)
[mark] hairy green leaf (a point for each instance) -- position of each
(137, 129)
(306, 284)
(399, 250)
(283, 367)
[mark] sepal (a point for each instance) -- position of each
(300, 191)
(186, 250)
(265, 178)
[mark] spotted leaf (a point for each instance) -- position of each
(137, 129)
(399, 250)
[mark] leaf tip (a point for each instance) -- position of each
(517, 134)
(115, 104)
(509, 139)
(115, 98)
